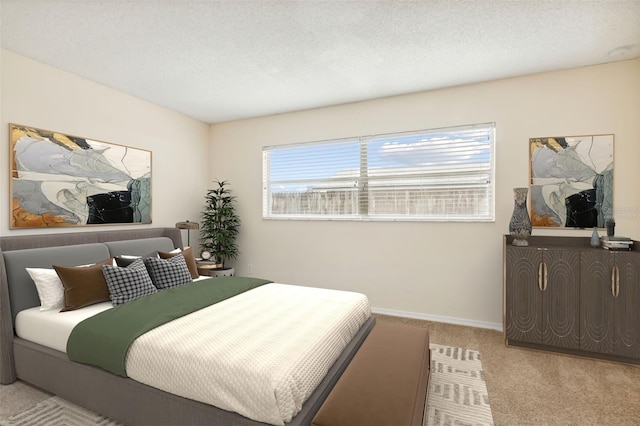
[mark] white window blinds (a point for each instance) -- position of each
(440, 174)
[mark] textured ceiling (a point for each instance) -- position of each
(224, 60)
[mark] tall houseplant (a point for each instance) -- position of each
(220, 224)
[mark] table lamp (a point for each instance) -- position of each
(188, 226)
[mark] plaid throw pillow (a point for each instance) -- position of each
(128, 283)
(167, 273)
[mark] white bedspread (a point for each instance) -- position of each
(52, 328)
(260, 354)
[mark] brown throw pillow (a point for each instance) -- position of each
(189, 257)
(83, 285)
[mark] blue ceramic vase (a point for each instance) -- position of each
(595, 238)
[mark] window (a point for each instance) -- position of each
(432, 175)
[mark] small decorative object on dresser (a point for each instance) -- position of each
(595, 238)
(616, 243)
(611, 227)
(520, 224)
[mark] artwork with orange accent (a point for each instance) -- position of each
(62, 180)
(571, 181)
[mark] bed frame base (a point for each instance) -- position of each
(134, 403)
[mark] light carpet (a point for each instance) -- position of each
(457, 391)
(457, 396)
(56, 411)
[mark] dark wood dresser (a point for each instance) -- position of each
(562, 295)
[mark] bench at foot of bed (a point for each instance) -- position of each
(385, 384)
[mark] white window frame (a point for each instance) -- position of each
(426, 187)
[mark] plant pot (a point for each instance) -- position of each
(222, 272)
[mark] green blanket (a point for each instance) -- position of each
(104, 339)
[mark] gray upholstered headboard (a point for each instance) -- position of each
(18, 292)
(22, 290)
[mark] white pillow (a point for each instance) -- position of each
(49, 286)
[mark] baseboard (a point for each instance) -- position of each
(438, 318)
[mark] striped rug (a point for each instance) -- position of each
(56, 411)
(457, 391)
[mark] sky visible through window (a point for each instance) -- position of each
(311, 161)
(322, 161)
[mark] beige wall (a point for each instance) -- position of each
(37, 95)
(445, 271)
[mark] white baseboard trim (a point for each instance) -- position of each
(438, 318)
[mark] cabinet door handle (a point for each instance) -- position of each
(613, 281)
(617, 281)
(540, 267)
(542, 276)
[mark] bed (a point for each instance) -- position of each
(122, 398)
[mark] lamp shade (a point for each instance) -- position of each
(188, 225)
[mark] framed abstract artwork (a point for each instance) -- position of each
(571, 181)
(63, 180)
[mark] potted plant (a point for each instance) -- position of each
(220, 224)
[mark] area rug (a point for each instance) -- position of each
(56, 411)
(457, 391)
(457, 396)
